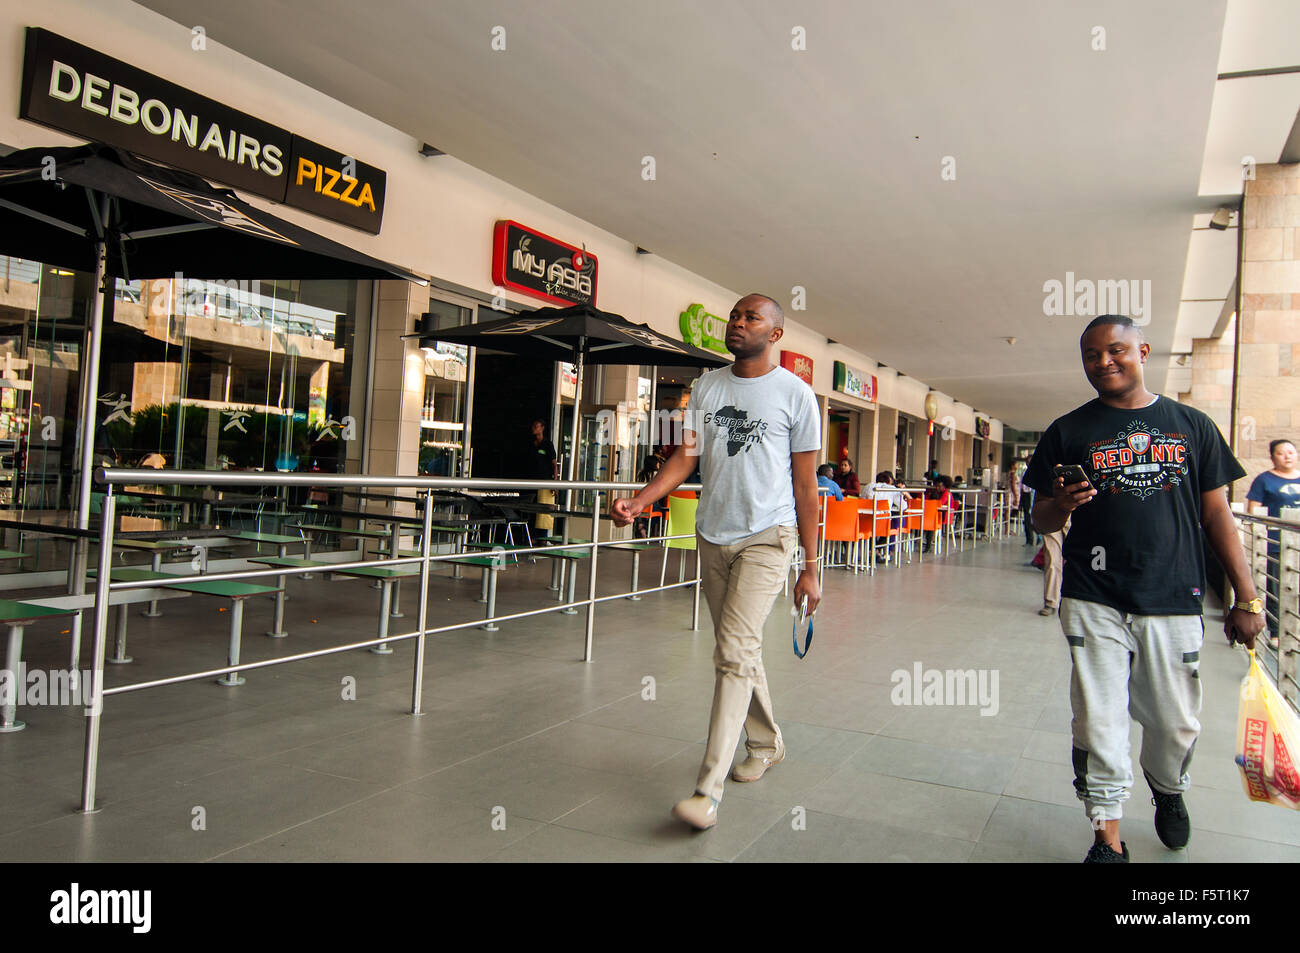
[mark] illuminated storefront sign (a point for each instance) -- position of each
(855, 383)
(544, 267)
(798, 364)
(82, 91)
(704, 330)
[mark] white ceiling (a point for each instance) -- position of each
(820, 168)
(1251, 116)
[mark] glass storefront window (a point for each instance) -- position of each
(250, 375)
(42, 321)
(442, 417)
(194, 374)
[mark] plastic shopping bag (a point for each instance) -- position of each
(1268, 739)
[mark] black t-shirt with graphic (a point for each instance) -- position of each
(1136, 545)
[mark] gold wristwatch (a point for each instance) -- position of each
(1254, 606)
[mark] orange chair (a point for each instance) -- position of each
(877, 521)
(650, 515)
(913, 524)
(932, 523)
(842, 526)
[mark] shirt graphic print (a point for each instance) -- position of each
(1140, 460)
(742, 433)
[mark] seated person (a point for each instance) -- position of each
(847, 478)
(884, 489)
(940, 490)
(826, 485)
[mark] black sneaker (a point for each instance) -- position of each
(1173, 826)
(1103, 853)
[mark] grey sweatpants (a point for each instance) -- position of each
(1144, 666)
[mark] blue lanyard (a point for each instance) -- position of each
(803, 614)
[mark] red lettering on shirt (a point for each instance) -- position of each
(1125, 457)
(1098, 461)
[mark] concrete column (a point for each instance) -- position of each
(399, 381)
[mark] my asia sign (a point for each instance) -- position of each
(82, 91)
(855, 383)
(526, 260)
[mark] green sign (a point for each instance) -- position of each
(701, 329)
(855, 383)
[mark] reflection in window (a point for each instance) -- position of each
(442, 416)
(194, 374)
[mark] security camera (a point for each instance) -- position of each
(1221, 219)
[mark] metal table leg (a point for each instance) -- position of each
(394, 553)
(280, 595)
(397, 600)
(490, 576)
(119, 656)
(232, 679)
(573, 580)
(636, 572)
(383, 648)
(152, 612)
(13, 657)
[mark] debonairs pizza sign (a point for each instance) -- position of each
(701, 329)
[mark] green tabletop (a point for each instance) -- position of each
(497, 562)
(559, 552)
(266, 537)
(379, 572)
(222, 587)
(369, 533)
(19, 612)
(133, 574)
(296, 562)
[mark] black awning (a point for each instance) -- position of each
(160, 221)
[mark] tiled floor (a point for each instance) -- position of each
(525, 753)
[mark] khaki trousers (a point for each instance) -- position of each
(741, 582)
(1053, 567)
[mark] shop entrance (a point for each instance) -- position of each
(509, 393)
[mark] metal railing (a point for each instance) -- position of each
(105, 586)
(1273, 552)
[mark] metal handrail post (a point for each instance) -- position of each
(425, 547)
(695, 597)
(90, 766)
(591, 581)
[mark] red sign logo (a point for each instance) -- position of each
(1138, 442)
(800, 365)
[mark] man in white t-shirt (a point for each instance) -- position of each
(754, 428)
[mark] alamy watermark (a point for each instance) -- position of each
(947, 688)
(669, 427)
(33, 687)
(1087, 298)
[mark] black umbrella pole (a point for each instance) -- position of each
(87, 424)
(573, 433)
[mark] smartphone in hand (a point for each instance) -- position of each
(1072, 473)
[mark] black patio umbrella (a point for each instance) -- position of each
(104, 210)
(101, 209)
(581, 334)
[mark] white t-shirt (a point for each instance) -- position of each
(746, 429)
(886, 491)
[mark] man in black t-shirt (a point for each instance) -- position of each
(540, 463)
(1135, 577)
